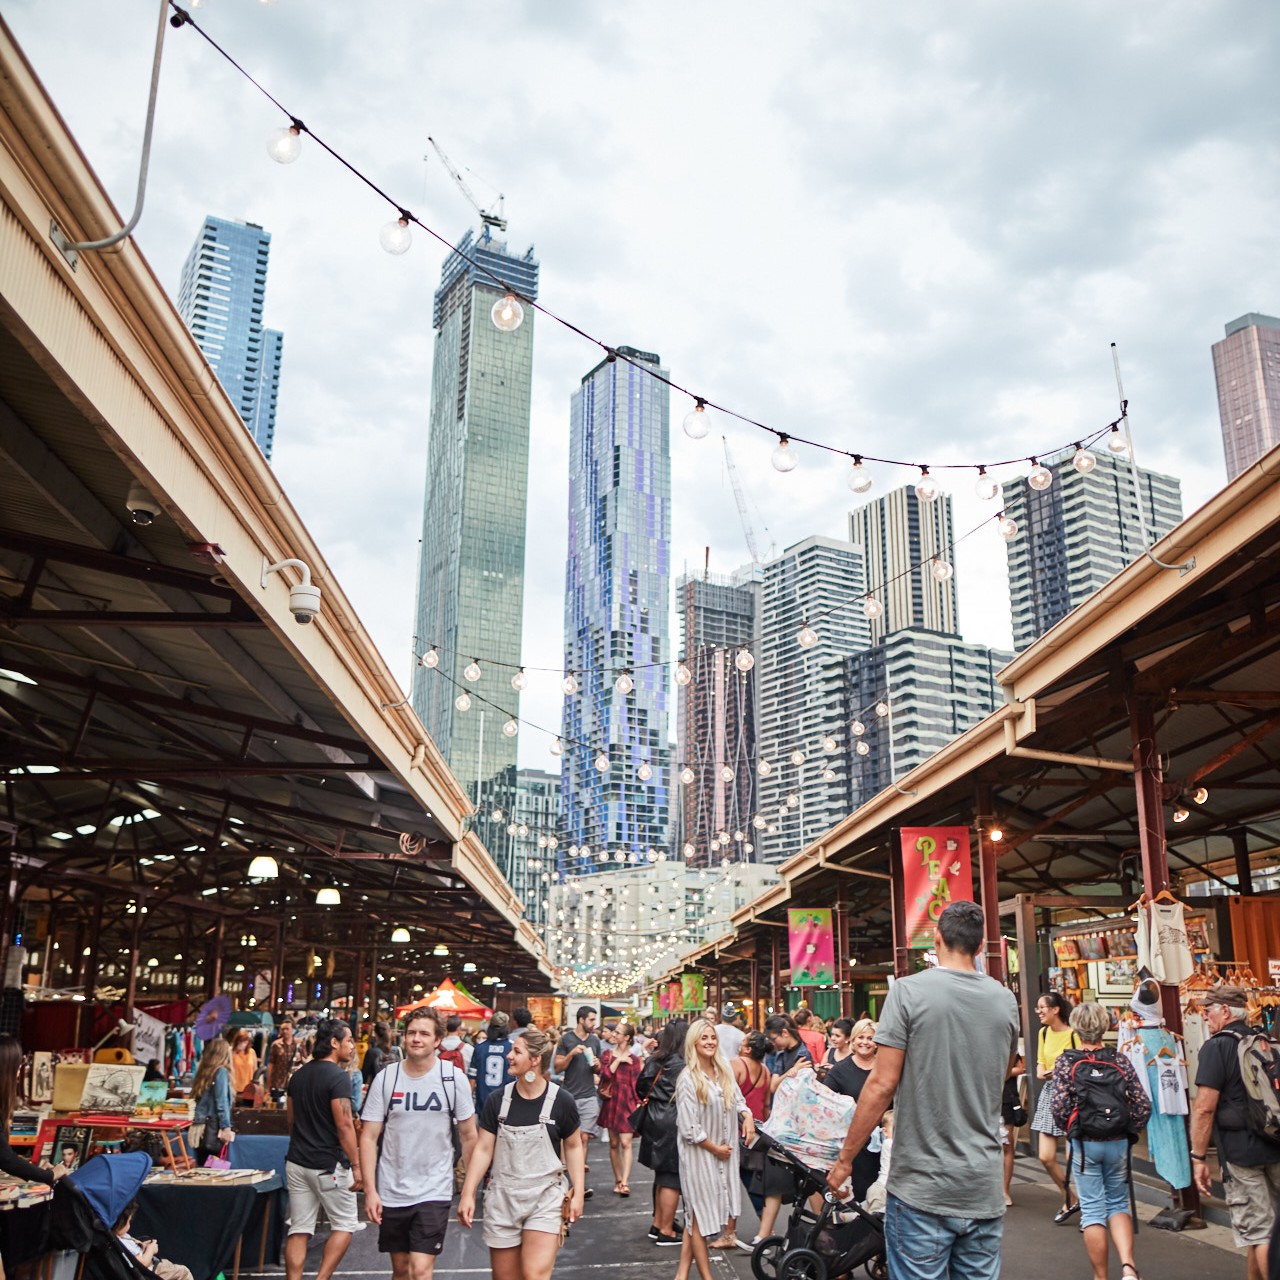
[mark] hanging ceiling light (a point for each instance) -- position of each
(1181, 814)
(440, 949)
(263, 868)
(328, 897)
(1200, 795)
(400, 934)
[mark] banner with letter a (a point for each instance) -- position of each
(937, 869)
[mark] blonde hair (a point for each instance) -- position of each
(719, 1071)
(216, 1054)
(539, 1047)
(863, 1024)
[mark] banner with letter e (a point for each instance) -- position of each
(937, 869)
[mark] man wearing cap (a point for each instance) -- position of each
(729, 1030)
(1250, 1162)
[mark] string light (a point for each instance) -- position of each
(471, 671)
(857, 728)
(882, 709)
(1083, 460)
(1116, 443)
(764, 768)
(511, 728)
(860, 479)
(507, 313)
(624, 684)
(284, 146)
(687, 776)
(793, 800)
(745, 660)
(683, 675)
(927, 487)
(807, 637)
(942, 569)
(463, 701)
(602, 762)
(871, 608)
(727, 774)
(569, 684)
(829, 744)
(1008, 529)
(697, 423)
(1040, 477)
(862, 748)
(557, 747)
(645, 771)
(828, 774)
(431, 658)
(986, 487)
(797, 757)
(395, 236)
(784, 456)
(520, 681)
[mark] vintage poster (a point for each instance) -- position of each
(813, 949)
(936, 871)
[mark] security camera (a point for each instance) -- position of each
(142, 507)
(304, 599)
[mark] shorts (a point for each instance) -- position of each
(1253, 1195)
(509, 1213)
(311, 1188)
(414, 1228)
(589, 1114)
(1102, 1181)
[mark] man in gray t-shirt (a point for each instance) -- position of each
(947, 1038)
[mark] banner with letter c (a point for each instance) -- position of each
(937, 869)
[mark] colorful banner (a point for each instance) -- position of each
(813, 947)
(936, 870)
(693, 988)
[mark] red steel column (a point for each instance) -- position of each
(987, 855)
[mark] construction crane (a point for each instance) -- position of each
(488, 220)
(741, 499)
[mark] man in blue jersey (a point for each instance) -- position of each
(489, 1069)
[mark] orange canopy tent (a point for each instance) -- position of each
(448, 997)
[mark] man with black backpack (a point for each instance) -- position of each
(1238, 1104)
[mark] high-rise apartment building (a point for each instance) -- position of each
(1246, 367)
(1078, 534)
(617, 615)
(800, 698)
(471, 565)
(908, 696)
(524, 841)
(716, 713)
(220, 297)
(902, 538)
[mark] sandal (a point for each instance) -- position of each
(1131, 1269)
(1066, 1212)
(723, 1242)
(624, 1189)
(617, 1188)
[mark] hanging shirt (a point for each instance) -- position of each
(1171, 960)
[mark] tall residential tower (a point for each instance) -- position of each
(1246, 366)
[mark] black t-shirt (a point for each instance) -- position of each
(525, 1112)
(1219, 1069)
(578, 1077)
(846, 1077)
(313, 1143)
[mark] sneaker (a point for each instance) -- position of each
(653, 1232)
(747, 1246)
(663, 1241)
(588, 1193)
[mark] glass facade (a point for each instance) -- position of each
(220, 297)
(617, 615)
(471, 564)
(1246, 366)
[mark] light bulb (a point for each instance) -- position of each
(471, 671)
(624, 684)
(745, 660)
(686, 776)
(683, 675)
(726, 774)
(942, 570)
(507, 314)
(522, 830)
(585, 851)
(1008, 529)
(714, 846)
(857, 728)
(569, 684)
(995, 834)
(556, 746)
(759, 822)
(871, 607)
(511, 728)
(882, 709)
(395, 236)
(784, 456)
(862, 748)
(797, 757)
(520, 681)
(497, 815)
(764, 768)
(986, 487)
(748, 847)
(926, 487)
(645, 771)
(828, 775)
(463, 701)
(1116, 443)
(1084, 461)
(1180, 814)
(284, 146)
(1200, 795)
(829, 744)
(1040, 477)
(602, 763)
(793, 801)
(860, 479)
(431, 658)
(697, 422)
(807, 637)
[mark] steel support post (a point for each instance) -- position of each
(987, 856)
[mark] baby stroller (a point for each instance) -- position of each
(86, 1206)
(840, 1237)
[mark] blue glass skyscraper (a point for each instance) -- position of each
(617, 615)
(220, 297)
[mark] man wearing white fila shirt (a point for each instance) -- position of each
(412, 1106)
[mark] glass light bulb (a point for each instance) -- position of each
(471, 671)
(1040, 477)
(624, 684)
(764, 768)
(927, 488)
(507, 313)
(556, 746)
(1116, 443)
(862, 748)
(511, 728)
(520, 681)
(697, 422)
(683, 675)
(860, 479)
(793, 801)
(745, 660)
(687, 776)
(797, 757)
(1007, 528)
(1084, 461)
(463, 701)
(871, 607)
(726, 774)
(431, 658)
(689, 851)
(986, 487)
(284, 146)
(644, 772)
(828, 775)
(395, 236)
(857, 728)
(942, 570)
(715, 846)
(602, 763)
(882, 709)
(522, 830)
(759, 822)
(748, 847)
(585, 851)
(570, 684)
(497, 815)
(807, 637)
(784, 456)
(829, 744)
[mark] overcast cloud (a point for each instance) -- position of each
(909, 230)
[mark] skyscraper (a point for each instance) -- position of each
(471, 565)
(1078, 534)
(525, 847)
(220, 296)
(1246, 367)
(800, 697)
(901, 537)
(716, 712)
(617, 616)
(911, 694)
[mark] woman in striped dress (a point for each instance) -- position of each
(708, 1104)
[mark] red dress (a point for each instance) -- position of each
(622, 1100)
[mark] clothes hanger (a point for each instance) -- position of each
(1165, 896)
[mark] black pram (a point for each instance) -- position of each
(86, 1207)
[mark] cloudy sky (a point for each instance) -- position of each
(909, 230)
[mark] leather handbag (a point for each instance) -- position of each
(639, 1119)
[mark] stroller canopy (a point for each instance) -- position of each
(108, 1183)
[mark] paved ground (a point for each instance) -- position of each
(612, 1238)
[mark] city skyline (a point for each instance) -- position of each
(1246, 369)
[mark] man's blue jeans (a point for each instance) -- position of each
(925, 1246)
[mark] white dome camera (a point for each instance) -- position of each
(142, 507)
(304, 599)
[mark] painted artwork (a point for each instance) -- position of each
(1067, 950)
(1093, 946)
(813, 950)
(937, 870)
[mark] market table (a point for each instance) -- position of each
(265, 1151)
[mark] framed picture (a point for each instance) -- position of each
(1070, 980)
(72, 1055)
(42, 1076)
(70, 1147)
(1093, 946)
(1066, 949)
(1119, 976)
